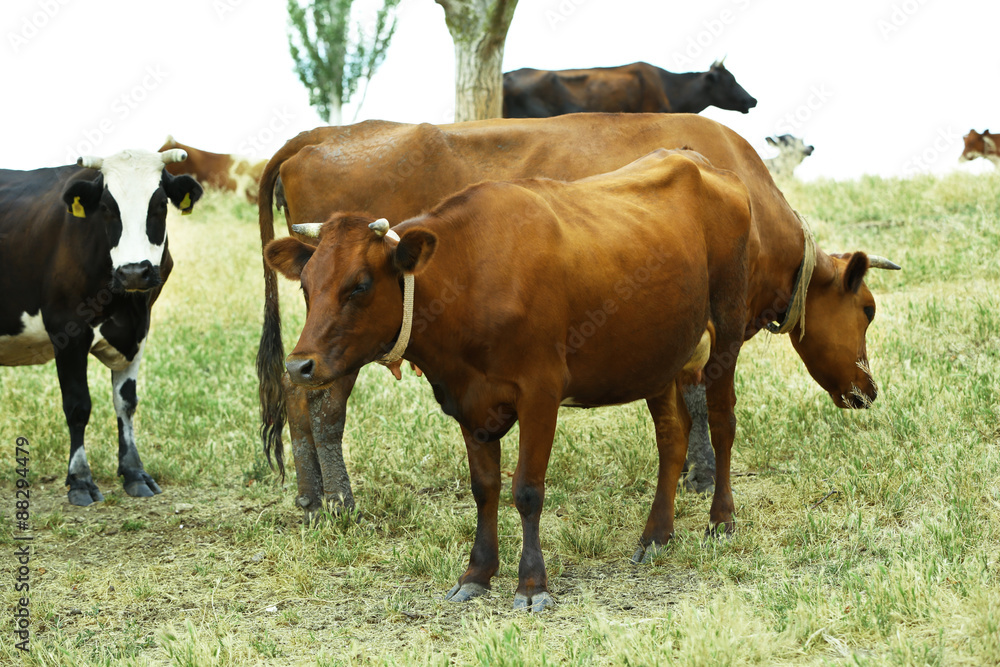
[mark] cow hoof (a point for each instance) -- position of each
(144, 487)
(85, 497)
(465, 592)
(646, 555)
(536, 603)
(704, 487)
(720, 530)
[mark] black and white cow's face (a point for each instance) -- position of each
(129, 199)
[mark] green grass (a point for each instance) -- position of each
(867, 538)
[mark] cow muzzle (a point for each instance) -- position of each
(136, 277)
(303, 371)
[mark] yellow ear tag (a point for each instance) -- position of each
(186, 204)
(78, 208)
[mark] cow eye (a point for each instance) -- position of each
(360, 288)
(870, 313)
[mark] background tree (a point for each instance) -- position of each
(331, 55)
(479, 30)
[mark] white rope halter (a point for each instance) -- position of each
(396, 353)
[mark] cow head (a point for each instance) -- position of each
(839, 309)
(128, 197)
(354, 302)
(724, 92)
(979, 145)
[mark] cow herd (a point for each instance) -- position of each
(521, 264)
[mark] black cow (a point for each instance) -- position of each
(635, 88)
(83, 256)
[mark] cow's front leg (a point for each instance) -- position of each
(136, 481)
(71, 366)
(537, 416)
(316, 424)
(484, 560)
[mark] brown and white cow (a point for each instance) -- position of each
(658, 249)
(218, 170)
(635, 88)
(397, 170)
(981, 145)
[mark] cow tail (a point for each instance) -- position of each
(271, 353)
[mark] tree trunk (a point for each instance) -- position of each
(336, 110)
(479, 30)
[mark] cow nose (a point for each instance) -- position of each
(300, 371)
(136, 276)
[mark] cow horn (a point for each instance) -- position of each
(380, 227)
(90, 161)
(719, 63)
(174, 155)
(310, 229)
(876, 262)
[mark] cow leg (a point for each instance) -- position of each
(316, 424)
(699, 468)
(327, 415)
(484, 560)
(537, 417)
(671, 424)
(721, 397)
(71, 366)
(307, 470)
(136, 481)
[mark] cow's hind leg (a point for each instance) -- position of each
(71, 366)
(484, 560)
(672, 424)
(136, 480)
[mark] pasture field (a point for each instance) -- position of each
(863, 538)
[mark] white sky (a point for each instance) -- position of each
(877, 86)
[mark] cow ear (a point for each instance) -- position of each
(712, 75)
(83, 197)
(414, 249)
(183, 191)
(854, 272)
(771, 142)
(288, 256)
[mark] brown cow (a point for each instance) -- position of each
(396, 171)
(981, 145)
(636, 88)
(657, 250)
(218, 170)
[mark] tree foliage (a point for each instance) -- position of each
(332, 55)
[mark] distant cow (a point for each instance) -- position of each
(981, 145)
(635, 88)
(83, 256)
(218, 170)
(791, 152)
(658, 249)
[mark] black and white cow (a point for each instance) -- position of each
(83, 256)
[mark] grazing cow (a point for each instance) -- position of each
(636, 88)
(657, 248)
(397, 171)
(83, 256)
(218, 170)
(981, 145)
(791, 152)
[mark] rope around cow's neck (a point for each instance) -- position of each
(795, 314)
(396, 353)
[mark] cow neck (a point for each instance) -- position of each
(396, 353)
(795, 312)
